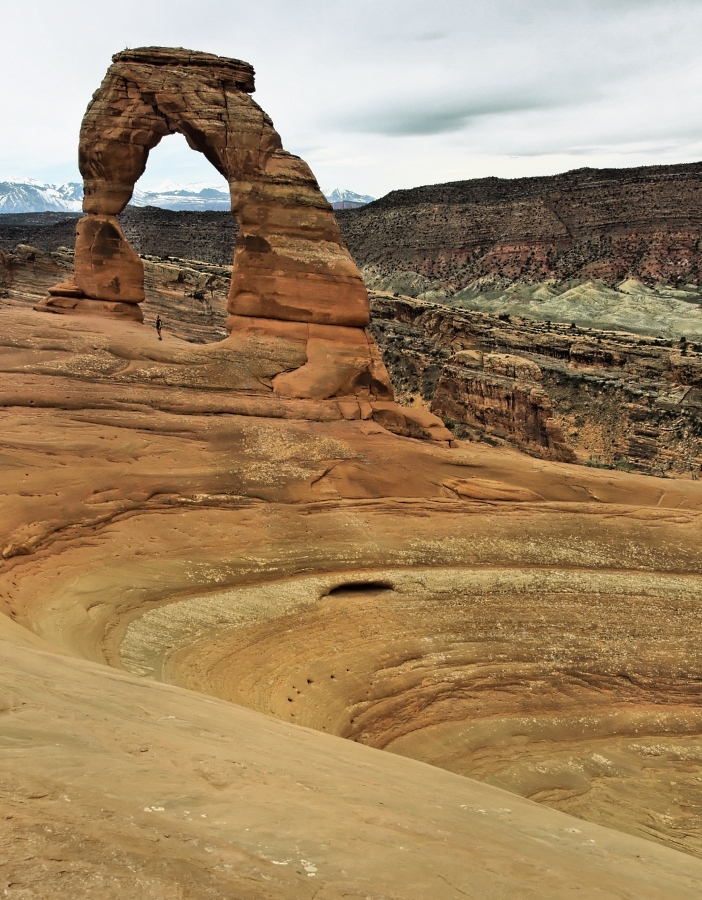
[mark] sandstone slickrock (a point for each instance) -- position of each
(526, 622)
(614, 399)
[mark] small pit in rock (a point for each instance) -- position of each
(359, 587)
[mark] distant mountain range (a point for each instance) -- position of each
(26, 195)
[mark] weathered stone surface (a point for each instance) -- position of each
(610, 399)
(340, 361)
(510, 366)
(86, 306)
(106, 266)
(290, 264)
(531, 625)
(501, 404)
(618, 400)
(67, 288)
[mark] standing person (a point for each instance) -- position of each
(159, 324)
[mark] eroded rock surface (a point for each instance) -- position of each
(525, 622)
(290, 262)
(293, 280)
(607, 399)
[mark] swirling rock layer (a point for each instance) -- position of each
(522, 621)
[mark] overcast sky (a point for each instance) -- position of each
(383, 94)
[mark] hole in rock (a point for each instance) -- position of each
(176, 166)
(359, 587)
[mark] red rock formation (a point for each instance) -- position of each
(294, 282)
(501, 393)
(290, 262)
(106, 266)
(607, 399)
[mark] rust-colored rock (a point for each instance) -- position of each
(85, 306)
(67, 288)
(614, 399)
(106, 266)
(291, 262)
(487, 233)
(506, 405)
(290, 265)
(340, 361)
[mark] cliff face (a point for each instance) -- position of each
(559, 392)
(609, 225)
(601, 398)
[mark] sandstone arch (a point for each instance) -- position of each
(290, 263)
(293, 278)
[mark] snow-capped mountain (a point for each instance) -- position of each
(341, 198)
(18, 195)
(25, 195)
(171, 195)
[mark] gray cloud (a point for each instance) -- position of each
(382, 95)
(433, 36)
(432, 116)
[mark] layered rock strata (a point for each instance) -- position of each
(606, 224)
(206, 235)
(287, 370)
(615, 399)
(606, 399)
(501, 393)
(534, 625)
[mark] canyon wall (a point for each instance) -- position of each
(605, 399)
(602, 398)
(607, 224)
(604, 224)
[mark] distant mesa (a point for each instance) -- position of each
(468, 242)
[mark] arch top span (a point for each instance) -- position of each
(241, 73)
(151, 92)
